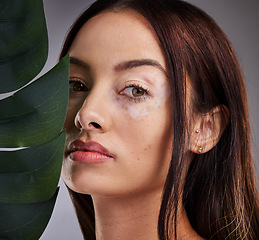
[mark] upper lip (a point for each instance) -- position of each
(79, 145)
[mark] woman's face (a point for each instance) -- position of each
(119, 128)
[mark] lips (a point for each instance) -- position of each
(89, 152)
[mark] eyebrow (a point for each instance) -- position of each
(79, 62)
(124, 65)
(139, 63)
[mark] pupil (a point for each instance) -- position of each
(78, 87)
(136, 92)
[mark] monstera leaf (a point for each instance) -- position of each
(32, 118)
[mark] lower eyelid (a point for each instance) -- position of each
(136, 99)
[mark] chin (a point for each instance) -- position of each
(84, 181)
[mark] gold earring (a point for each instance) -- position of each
(200, 149)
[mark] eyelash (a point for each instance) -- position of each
(138, 87)
(146, 92)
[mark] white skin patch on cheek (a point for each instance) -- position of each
(138, 111)
(143, 108)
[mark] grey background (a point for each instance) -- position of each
(238, 18)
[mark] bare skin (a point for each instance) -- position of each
(128, 111)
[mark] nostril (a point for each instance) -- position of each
(94, 124)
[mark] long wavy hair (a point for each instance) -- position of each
(219, 193)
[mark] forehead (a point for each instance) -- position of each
(122, 35)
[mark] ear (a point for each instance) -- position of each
(206, 129)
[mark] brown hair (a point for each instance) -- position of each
(219, 193)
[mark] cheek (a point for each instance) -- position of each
(140, 111)
(147, 141)
(68, 170)
(73, 108)
(145, 122)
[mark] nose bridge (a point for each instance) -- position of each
(94, 111)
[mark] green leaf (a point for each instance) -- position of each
(25, 221)
(33, 117)
(23, 42)
(36, 113)
(37, 168)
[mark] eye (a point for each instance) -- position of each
(77, 86)
(135, 92)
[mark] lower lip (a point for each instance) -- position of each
(89, 157)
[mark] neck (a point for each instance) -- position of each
(135, 218)
(127, 218)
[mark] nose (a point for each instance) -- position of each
(94, 113)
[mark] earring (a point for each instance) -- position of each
(197, 130)
(200, 149)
